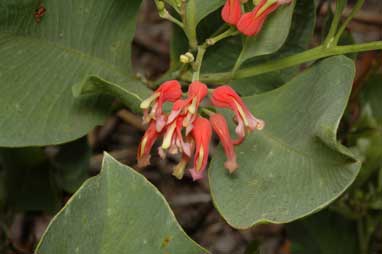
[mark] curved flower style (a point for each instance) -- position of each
(219, 125)
(231, 12)
(226, 97)
(251, 23)
(169, 91)
(202, 136)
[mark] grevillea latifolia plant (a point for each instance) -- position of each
(234, 73)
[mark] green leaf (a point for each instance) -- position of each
(28, 180)
(323, 233)
(71, 164)
(301, 32)
(40, 62)
(130, 97)
(295, 166)
(118, 211)
(222, 56)
(197, 10)
(272, 35)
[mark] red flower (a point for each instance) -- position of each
(173, 137)
(226, 97)
(201, 134)
(231, 11)
(219, 125)
(251, 23)
(189, 107)
(168, 91)
(144, 148)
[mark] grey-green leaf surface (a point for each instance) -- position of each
(118, 211)
(294, 166)
(41, 61)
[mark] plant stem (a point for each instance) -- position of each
(163, 13)
(355, 9)
(198, 62)
(188, 17)
(228, 33)
(340, 6)
(279, 64)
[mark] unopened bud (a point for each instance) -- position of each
(160, 6)
(187, 58)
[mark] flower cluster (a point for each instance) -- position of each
(249, 23)
(185, 132)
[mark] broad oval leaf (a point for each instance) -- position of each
(295, 166)
(118, 211)
(41, 59)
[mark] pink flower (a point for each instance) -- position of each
(169, 91)
(201, 134)
(219, 125)
(231, 11)
(144, 148)
(226, 97)
(251, 23)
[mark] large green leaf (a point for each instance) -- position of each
(39, 63)
(295, 166)
(118, 211)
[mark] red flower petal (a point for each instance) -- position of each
(231, 12)
(219, 125)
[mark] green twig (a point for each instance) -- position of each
(228, 33)
(354, 11)
(340, 6)
(306, 56)
(163, 13)
(198, 62)
(188, 13)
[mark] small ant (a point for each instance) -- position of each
(39, 13)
